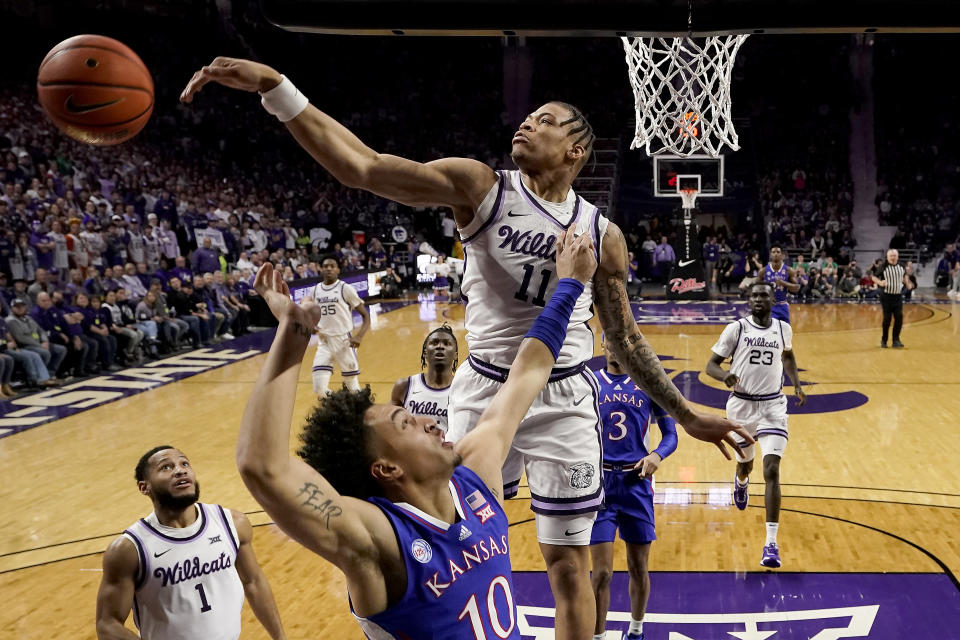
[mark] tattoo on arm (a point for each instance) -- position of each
(635, 353)
(302, 330)
(315, 500)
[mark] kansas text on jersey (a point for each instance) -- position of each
(459, 581)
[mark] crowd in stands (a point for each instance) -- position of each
(917, 156)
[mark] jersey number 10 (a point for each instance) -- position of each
(472, 609)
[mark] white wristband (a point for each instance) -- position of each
(284, 100)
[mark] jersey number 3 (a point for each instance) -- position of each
(619, 417)
(521, 293)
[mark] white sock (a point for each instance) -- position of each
(352, 382)
(772, 532)
(742, 483)
(636, 626)
(321, 382)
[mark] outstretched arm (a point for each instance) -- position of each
(637, 356)
(459, 183)
(485, 448)
(303, 503)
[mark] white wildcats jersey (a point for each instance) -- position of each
(510, 271)
(187, 585)
(337, 301)
(424, 400)
(757, 355)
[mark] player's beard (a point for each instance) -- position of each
(178, 503)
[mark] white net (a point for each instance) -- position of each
(681, 87)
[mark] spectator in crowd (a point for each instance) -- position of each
(752, 270)
(202, 295)
(185, 311)
(133, 284)
(711, 254)
(206, 259)
(148, 322)
(120, 322)
(29, 360)
(41, 284)
(849, 285)
(390, 284)
(665, 258)
(95, 329)
(29, 336)
(724, 272)
(63, 331)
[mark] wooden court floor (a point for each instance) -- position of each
(875, 488)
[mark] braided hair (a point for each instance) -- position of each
(581, 127)
(444, 328)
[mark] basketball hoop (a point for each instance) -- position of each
(689, 197)
(681, 89)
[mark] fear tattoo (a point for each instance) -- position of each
(314, 499)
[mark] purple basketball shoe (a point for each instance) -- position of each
(771, 556)
(740, 497)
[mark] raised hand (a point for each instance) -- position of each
(235, 73)
(576, 257)
(270, 286)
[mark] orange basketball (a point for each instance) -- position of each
(95, 89)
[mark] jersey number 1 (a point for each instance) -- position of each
(521, 293)
(204, 605)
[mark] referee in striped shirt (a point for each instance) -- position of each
(891, 278)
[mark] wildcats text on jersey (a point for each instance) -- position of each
(539, 245)
(190, 569)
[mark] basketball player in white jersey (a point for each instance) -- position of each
(336, 341)
(761, 348)
(426, 394)
(185, 568)
(509, 222)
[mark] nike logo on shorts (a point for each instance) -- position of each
(684, 263)
(569, 533)
(577, 403)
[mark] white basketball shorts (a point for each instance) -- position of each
(766, 420)
(336, 349)
(557, 443)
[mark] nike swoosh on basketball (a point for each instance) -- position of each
(511, 214)
(684, 263)
(73, 107)
(568, 533)
(577, 403)
(157, 555)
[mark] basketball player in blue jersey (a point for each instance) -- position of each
(761, 349)
(628, 468)
(184, 569)
(783, 279)
(415, 523)
(425, 395)
(510, 222)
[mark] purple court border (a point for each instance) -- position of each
(775, 605)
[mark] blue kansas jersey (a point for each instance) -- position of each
(626, 412)
(781, 309)
(459, 581)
